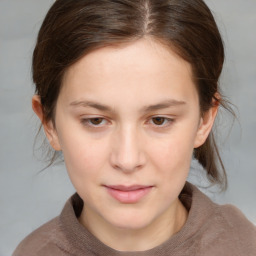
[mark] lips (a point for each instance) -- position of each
(128, 194)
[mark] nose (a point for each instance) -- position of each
(127, 151)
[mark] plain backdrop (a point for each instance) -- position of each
(29, 197)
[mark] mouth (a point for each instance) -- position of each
(128, 194)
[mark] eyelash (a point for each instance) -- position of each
(88, 122)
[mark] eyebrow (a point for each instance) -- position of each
(161, 105)
(91, 104)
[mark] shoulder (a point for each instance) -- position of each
(238, 224)
(236, 233)
(228, 230)
(42, 241)
(56, 237)
(220, 229)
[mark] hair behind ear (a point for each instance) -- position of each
(208, 156)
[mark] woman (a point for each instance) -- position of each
(128, 91)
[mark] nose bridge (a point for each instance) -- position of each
(127, 154)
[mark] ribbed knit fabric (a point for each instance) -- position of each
(210, 230)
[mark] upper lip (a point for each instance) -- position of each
(127, 188)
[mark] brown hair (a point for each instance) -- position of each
(72, 28)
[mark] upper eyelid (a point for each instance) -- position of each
(93, 117)
(162, 116)
(105, 118)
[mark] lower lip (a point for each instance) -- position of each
(129, 197)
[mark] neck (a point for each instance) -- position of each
(124, 239)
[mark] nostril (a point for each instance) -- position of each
(127, 168)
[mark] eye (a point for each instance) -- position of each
(94, 122)
(161, 121)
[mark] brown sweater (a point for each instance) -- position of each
(210, 230)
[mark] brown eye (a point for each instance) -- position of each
(96, 121)
(158, 120)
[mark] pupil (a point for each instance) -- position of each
(158, 120)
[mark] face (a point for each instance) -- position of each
(127, 121)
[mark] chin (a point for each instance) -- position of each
(131, 221)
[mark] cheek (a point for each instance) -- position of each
(85, 163)
(84, 158)
(172, 159)
(174, 151)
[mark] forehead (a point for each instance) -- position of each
(144, 53)
(144, 68)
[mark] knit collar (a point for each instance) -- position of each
(79, 238)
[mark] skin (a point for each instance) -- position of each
(129, 115)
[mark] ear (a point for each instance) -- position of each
(48, 126)
(205, 125)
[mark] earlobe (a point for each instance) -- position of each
(48, 126)
(205, 126)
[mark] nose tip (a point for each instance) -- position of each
(127, 159)
(127, 154)
(127, 165)
(125, 170)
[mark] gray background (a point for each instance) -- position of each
(29, 198)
